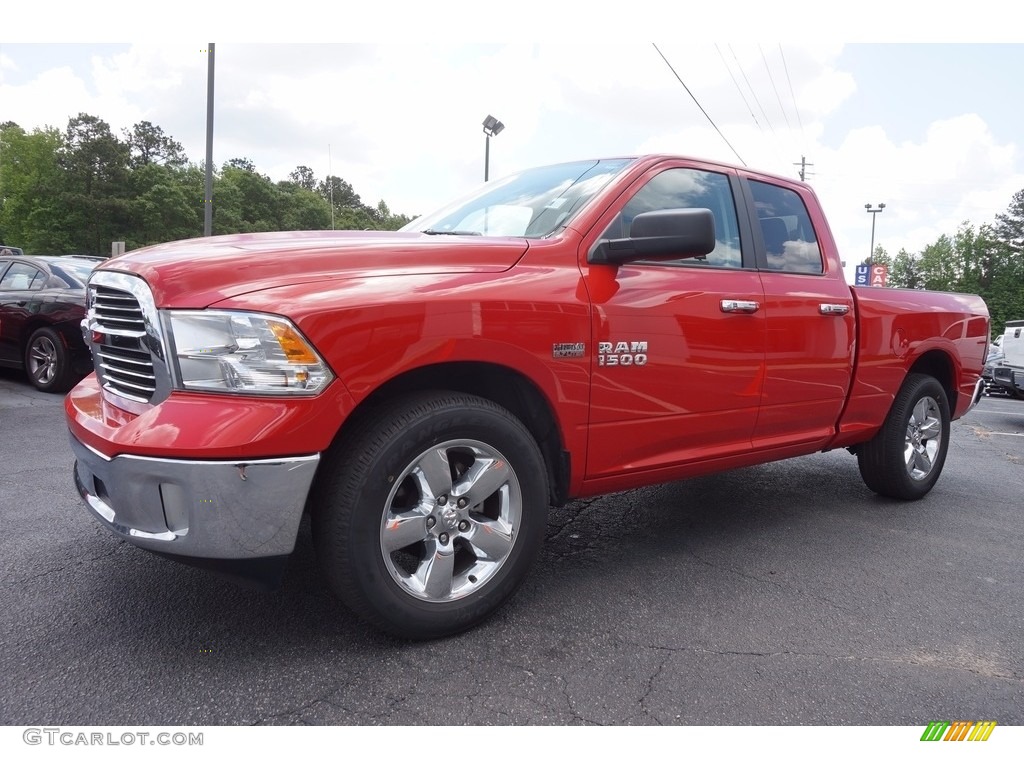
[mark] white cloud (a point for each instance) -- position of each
(403, 121)
(956, 171)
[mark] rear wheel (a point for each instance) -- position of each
(904, 460)
(47, 361)
(431, 513)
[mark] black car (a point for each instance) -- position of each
(42, 304)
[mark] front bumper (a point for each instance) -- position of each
(1010, 379)
(205, 511)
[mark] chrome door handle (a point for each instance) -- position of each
(833, 309)
(740, 307)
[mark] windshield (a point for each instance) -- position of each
(533, 203)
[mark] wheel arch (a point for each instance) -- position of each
(33, 325)
(939, 365)
(502, 385)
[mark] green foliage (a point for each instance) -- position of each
(30, 189)
(78, 190)
(148, 144)
(985, 261)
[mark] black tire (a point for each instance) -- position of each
(48, 362)
(904, 460)
(391, 533)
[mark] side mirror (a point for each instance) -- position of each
(675, 233)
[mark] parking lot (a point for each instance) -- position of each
(781, 594)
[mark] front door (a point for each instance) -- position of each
(679, 345)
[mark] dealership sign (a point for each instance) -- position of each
(875, 275)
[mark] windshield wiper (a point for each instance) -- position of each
(452, 232)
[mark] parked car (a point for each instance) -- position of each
(42, 305)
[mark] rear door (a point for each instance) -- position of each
(810, 320)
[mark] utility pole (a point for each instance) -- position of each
(874, 213)
(803, 168)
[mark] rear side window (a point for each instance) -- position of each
(22, 277)
(790, 244)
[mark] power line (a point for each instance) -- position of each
(792, 95)
(772, 81)
(695, 101)
(736, 83)
(751, 89)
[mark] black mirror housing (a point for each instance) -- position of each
(675, 233)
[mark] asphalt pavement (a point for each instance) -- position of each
(781, 594)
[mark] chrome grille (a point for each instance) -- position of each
(117, 310)
(125, 365)
(122, 327)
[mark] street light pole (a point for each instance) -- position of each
(208, 200)
(874, 212)
(492, 127)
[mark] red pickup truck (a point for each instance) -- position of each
(425, 395)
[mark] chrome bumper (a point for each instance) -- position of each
(210, 510)
(979, 390)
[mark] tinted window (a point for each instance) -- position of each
(688, 188)
(74, 275)
(789, 240)
(22, 277)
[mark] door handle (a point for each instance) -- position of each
(740, 307)
(833, 309)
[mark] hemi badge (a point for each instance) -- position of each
(569, 349)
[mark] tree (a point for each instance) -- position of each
(304, 177)
(163, 205)
(388, 220)
(302, 208)
(905, 271)
(148, 143)
(75, 191)
(242, 163)
(339, 192)
(256, 197)
(1009, 227)
(96, 166)
(32, 215)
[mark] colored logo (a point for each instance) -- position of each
(958, 730)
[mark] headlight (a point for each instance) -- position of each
(244, 352)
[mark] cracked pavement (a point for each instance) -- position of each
(780, 594)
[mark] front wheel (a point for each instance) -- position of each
(904, 460)
(429, 514)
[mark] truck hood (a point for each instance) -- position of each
(195, 273)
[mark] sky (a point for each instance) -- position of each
(922, 113)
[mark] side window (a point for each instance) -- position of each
(20, 277)
(789, 240)
(689, 188)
